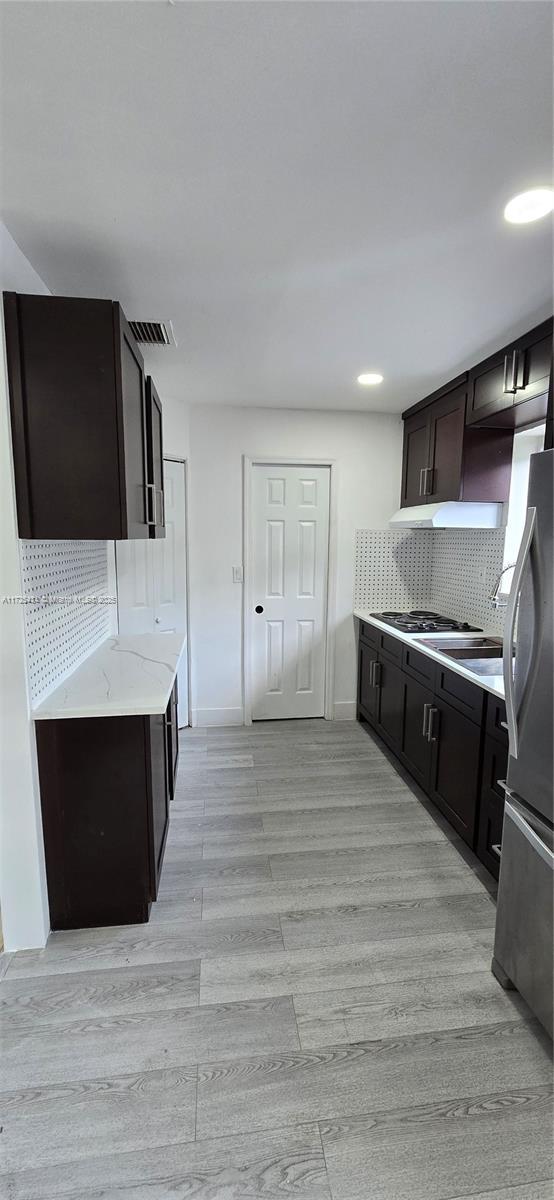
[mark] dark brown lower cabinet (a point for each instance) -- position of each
(105, 804)
(491, 812)
(389, 681)
(437, 723)
(367, 691)
(415, 747)
(454, 782)
(172, 725)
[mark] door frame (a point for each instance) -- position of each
(184, 461)
(249, 461)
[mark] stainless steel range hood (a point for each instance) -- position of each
(450, 515)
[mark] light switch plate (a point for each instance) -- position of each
(237, 574)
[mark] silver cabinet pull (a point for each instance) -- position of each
(426, 710)
(377, 677)
(431, 735)
(371, 673)
(505, 387)
(150, 489)
(511, 613)
(497, 849)
(162, 498)
(515, 371)
(504, 725)
(429, 479)
(421, 481)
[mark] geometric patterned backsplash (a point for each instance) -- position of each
(59, 636)
(392, 568)
(466, 565)
(451, 571)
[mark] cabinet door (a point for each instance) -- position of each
(415, 748)
(446, 442)
(62, 381)
(490, 386)
(517, 373)
(159, 794)
(175, 730)
(133, 435)
(456, 745)
(415, 458)
(389, 702)
(491, 809)
(155, 499)
(367, 692)
(172, 741)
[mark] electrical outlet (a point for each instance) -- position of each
(237, 574)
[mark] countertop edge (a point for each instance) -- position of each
(415, 639)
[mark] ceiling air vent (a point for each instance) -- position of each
(153, 333)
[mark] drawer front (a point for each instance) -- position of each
(391, 648)
(369, 634)
(468, 698)
(489, 835)
(496, 719)
(419, 666)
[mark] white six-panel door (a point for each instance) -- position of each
(290, 547)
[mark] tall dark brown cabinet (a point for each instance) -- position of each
(87, 450)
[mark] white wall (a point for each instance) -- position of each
(367, 449)
(23, 895)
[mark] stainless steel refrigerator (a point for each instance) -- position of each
(524, 935)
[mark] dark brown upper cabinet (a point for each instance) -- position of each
(446, 460)
(511, 387)
(155, 485)
(83, 464)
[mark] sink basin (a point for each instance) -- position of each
(470, 648)
(484, 666)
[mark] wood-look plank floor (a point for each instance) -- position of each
(310, 1011)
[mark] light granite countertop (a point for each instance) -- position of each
(125, 676)
(490, 683)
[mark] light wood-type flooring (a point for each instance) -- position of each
(309, 1013)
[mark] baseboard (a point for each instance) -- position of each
(217, 716)
(344, 710)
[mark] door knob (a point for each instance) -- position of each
(259, 608)
(157, 620)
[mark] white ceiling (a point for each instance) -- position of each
(307, 190)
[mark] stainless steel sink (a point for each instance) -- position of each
(484, 666)
(471, 648)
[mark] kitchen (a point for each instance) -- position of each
(277, 606)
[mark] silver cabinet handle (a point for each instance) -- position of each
(515, 371)
(497, 849)
(431, 735)
(511, 612)
(162, 498)
(377, 677)
(150, 489)
(371, 666)
(505, 387)
(429, 477)
(426, 710)
(421, 483)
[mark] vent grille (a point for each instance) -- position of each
(153, 333)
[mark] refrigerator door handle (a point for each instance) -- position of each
(511, 612)
(529, 834)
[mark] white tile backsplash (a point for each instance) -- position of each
(451, 571)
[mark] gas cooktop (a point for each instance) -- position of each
(421, 621)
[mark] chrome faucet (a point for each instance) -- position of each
(494, 597)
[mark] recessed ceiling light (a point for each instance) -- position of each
(369, 377)
(529, 206)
